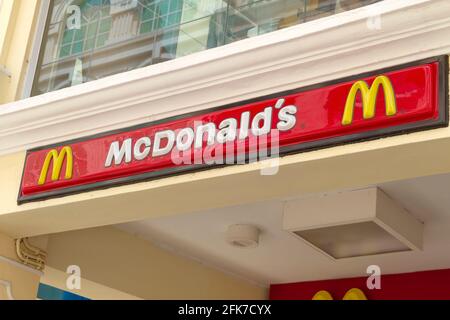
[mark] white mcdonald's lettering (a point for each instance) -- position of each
(186, 138)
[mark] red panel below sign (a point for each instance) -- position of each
(426, 285)
(304, 119)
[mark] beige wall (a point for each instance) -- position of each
(17, 24)
(24, 281)
(24, 284)
(116, 259)
(89, 289)
(7, 248)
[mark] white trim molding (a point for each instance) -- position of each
(344, 44)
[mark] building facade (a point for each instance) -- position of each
(224, 149)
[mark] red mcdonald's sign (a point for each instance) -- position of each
(376, 104)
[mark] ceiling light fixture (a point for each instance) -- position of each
(353, 224)
(243, 236)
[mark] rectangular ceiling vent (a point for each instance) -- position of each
(353, 224)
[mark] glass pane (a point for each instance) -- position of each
(87, 40)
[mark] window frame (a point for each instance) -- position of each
(38, 40)
(41, 28)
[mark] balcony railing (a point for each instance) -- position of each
(92, 39)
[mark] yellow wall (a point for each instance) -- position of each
(89, 289)
(17, 23)
(118, 260)
(24, 281)
(7, 247)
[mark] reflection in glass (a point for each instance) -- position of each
(87, 40)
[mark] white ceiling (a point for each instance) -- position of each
(282, 258)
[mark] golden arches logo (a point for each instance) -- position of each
(58, 161)
(352, 294)
(369, 99)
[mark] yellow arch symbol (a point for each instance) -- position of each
(58, 160)
(352, 294)
(369, 99)
(322, 295)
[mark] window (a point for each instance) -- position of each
(87, 40)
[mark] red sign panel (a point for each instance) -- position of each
(424, 285)
(385, 102)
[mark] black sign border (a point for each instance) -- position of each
(442, 121)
